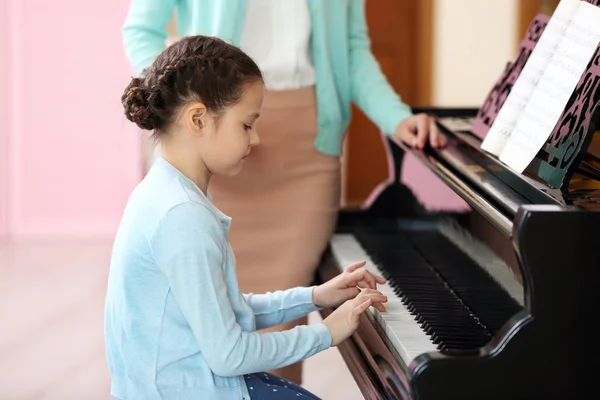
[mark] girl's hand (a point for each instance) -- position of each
(346, 286)
(344, 320)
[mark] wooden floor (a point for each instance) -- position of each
(51, 328)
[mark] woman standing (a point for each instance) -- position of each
(316, 59)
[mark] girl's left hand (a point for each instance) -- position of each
(346, 286)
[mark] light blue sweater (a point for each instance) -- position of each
(346, 70)
(176, 325)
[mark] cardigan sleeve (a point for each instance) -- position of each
(144, 31)
(370, 89)
(189, 247)
(274, 308)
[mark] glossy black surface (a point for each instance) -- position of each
(543, 351)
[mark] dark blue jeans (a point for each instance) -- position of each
(265, 386)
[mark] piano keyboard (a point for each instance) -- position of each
(398, 323)
(437, 304)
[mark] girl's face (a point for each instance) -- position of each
(228, 141)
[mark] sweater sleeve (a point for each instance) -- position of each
(189, 247)
(271, 309)
(144, 31)
(370, 89)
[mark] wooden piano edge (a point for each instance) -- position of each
(358, 366)
(381, 379)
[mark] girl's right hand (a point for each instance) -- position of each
(344, 320)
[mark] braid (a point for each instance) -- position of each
(137, 104)
(201, 63)
(163, 75)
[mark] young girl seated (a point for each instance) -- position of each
(176, 325)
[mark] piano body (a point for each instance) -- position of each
(496, 302)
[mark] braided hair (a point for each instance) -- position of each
(195, 68)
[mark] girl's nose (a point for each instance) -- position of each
(254, 139)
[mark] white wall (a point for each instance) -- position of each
(473, 40)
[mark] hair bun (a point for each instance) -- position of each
(137, 106)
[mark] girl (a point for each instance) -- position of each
(316, 59)
(176, 324)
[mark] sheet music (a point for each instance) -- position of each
(524, 86)
(554, 88)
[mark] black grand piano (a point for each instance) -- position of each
(495, 303)
(498, 302)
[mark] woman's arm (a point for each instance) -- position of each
(144, 31)
(189, 249)
(370, 89)
(274, 308)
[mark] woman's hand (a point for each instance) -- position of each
(346, 286)
(416, 130)
(344, 320)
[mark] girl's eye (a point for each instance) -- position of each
(247, 127)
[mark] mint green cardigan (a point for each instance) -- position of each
(346, 70)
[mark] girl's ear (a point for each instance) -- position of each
(195, 116)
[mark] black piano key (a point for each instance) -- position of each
(452, 298)
(488, 300)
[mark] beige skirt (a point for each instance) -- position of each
(284, 203)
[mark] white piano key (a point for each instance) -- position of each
(397, 322)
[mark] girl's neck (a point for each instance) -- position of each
(192, 167)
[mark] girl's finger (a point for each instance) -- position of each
(372, 295)
(366, 292)
(361, 307)
(379, 279)
(355, 266)
(364, 276)
(363, 284)
(351, 292)
(370, 279)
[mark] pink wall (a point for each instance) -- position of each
(74, 156)
(3, 121)
(68, 156)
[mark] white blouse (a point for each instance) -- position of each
(276, 35)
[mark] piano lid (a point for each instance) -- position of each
(549, 178)
(487, 184)
(499, 191)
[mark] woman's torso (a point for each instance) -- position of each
(276, 35)
(327, 53)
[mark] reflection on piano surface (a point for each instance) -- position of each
(496, 302)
